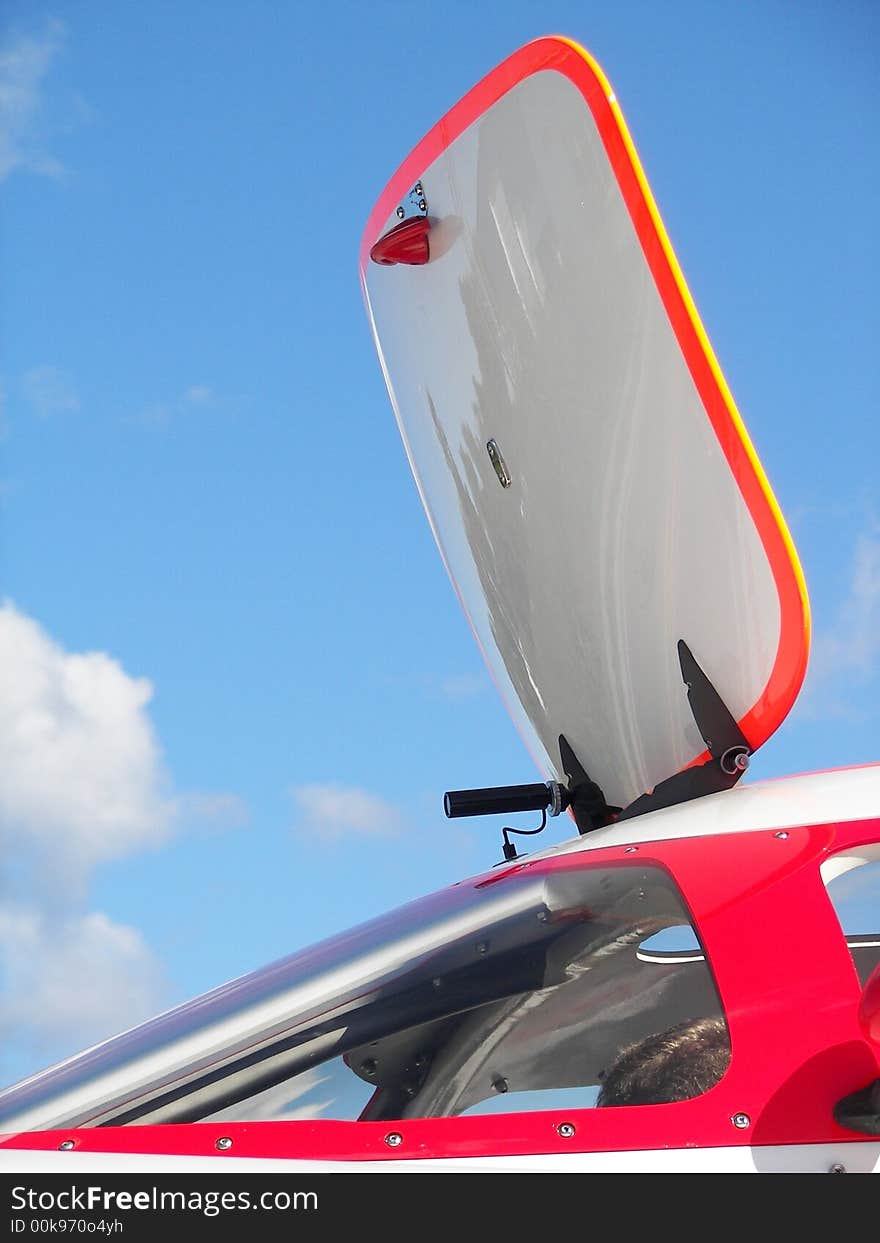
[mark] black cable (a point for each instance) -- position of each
(509, 848)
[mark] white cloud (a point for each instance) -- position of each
(82, 781)
(227, 811)
(854, 643)
(846, 654)
(333, 811)
(24, 65)
(82, 777)
(198, 395)
(463, 685)
(49, 390)
(160, 413)
(69, 982)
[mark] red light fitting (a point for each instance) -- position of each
(407, 242)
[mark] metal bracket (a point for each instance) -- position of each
(586, 799)
(724, 741)
(415, 204)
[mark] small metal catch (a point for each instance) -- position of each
(498, 463)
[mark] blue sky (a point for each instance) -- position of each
(240, 679)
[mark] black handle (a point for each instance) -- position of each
(497, 800)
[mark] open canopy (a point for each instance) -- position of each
(587, 477)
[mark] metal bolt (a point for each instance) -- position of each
(630, 850)
(782, 835)
(66, 1145)
(565, 1129)
(400, 213)
(500, 1084)
(223, 1143)
(741, 1121)
(734, 760)
(482, 947)
(368, 1067)
(837, 1168)
(417, 188)
(423, 206)
(394, 1139)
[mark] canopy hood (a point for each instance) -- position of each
(589, 482)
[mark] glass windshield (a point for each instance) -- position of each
(853, 881)
(530, 984)
(616, 970)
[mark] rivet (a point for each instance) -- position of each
(741, 1121)
(223, 1143)
(66, 1145)
(400, 213)
(368, 1067)
(482, 947)
(437, 982)
(394, 1139)
(782, 835)
(630, 850)
(566, 1130)
(837, 1168)
(417, 188)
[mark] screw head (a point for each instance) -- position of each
(837, 1168)
(630, 850)
(482, 947)
(66, 1145)
(400, 213)
(223, 1143)
(394, 1139)
(782, 835)
(741, 1121)
(565, 1129)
